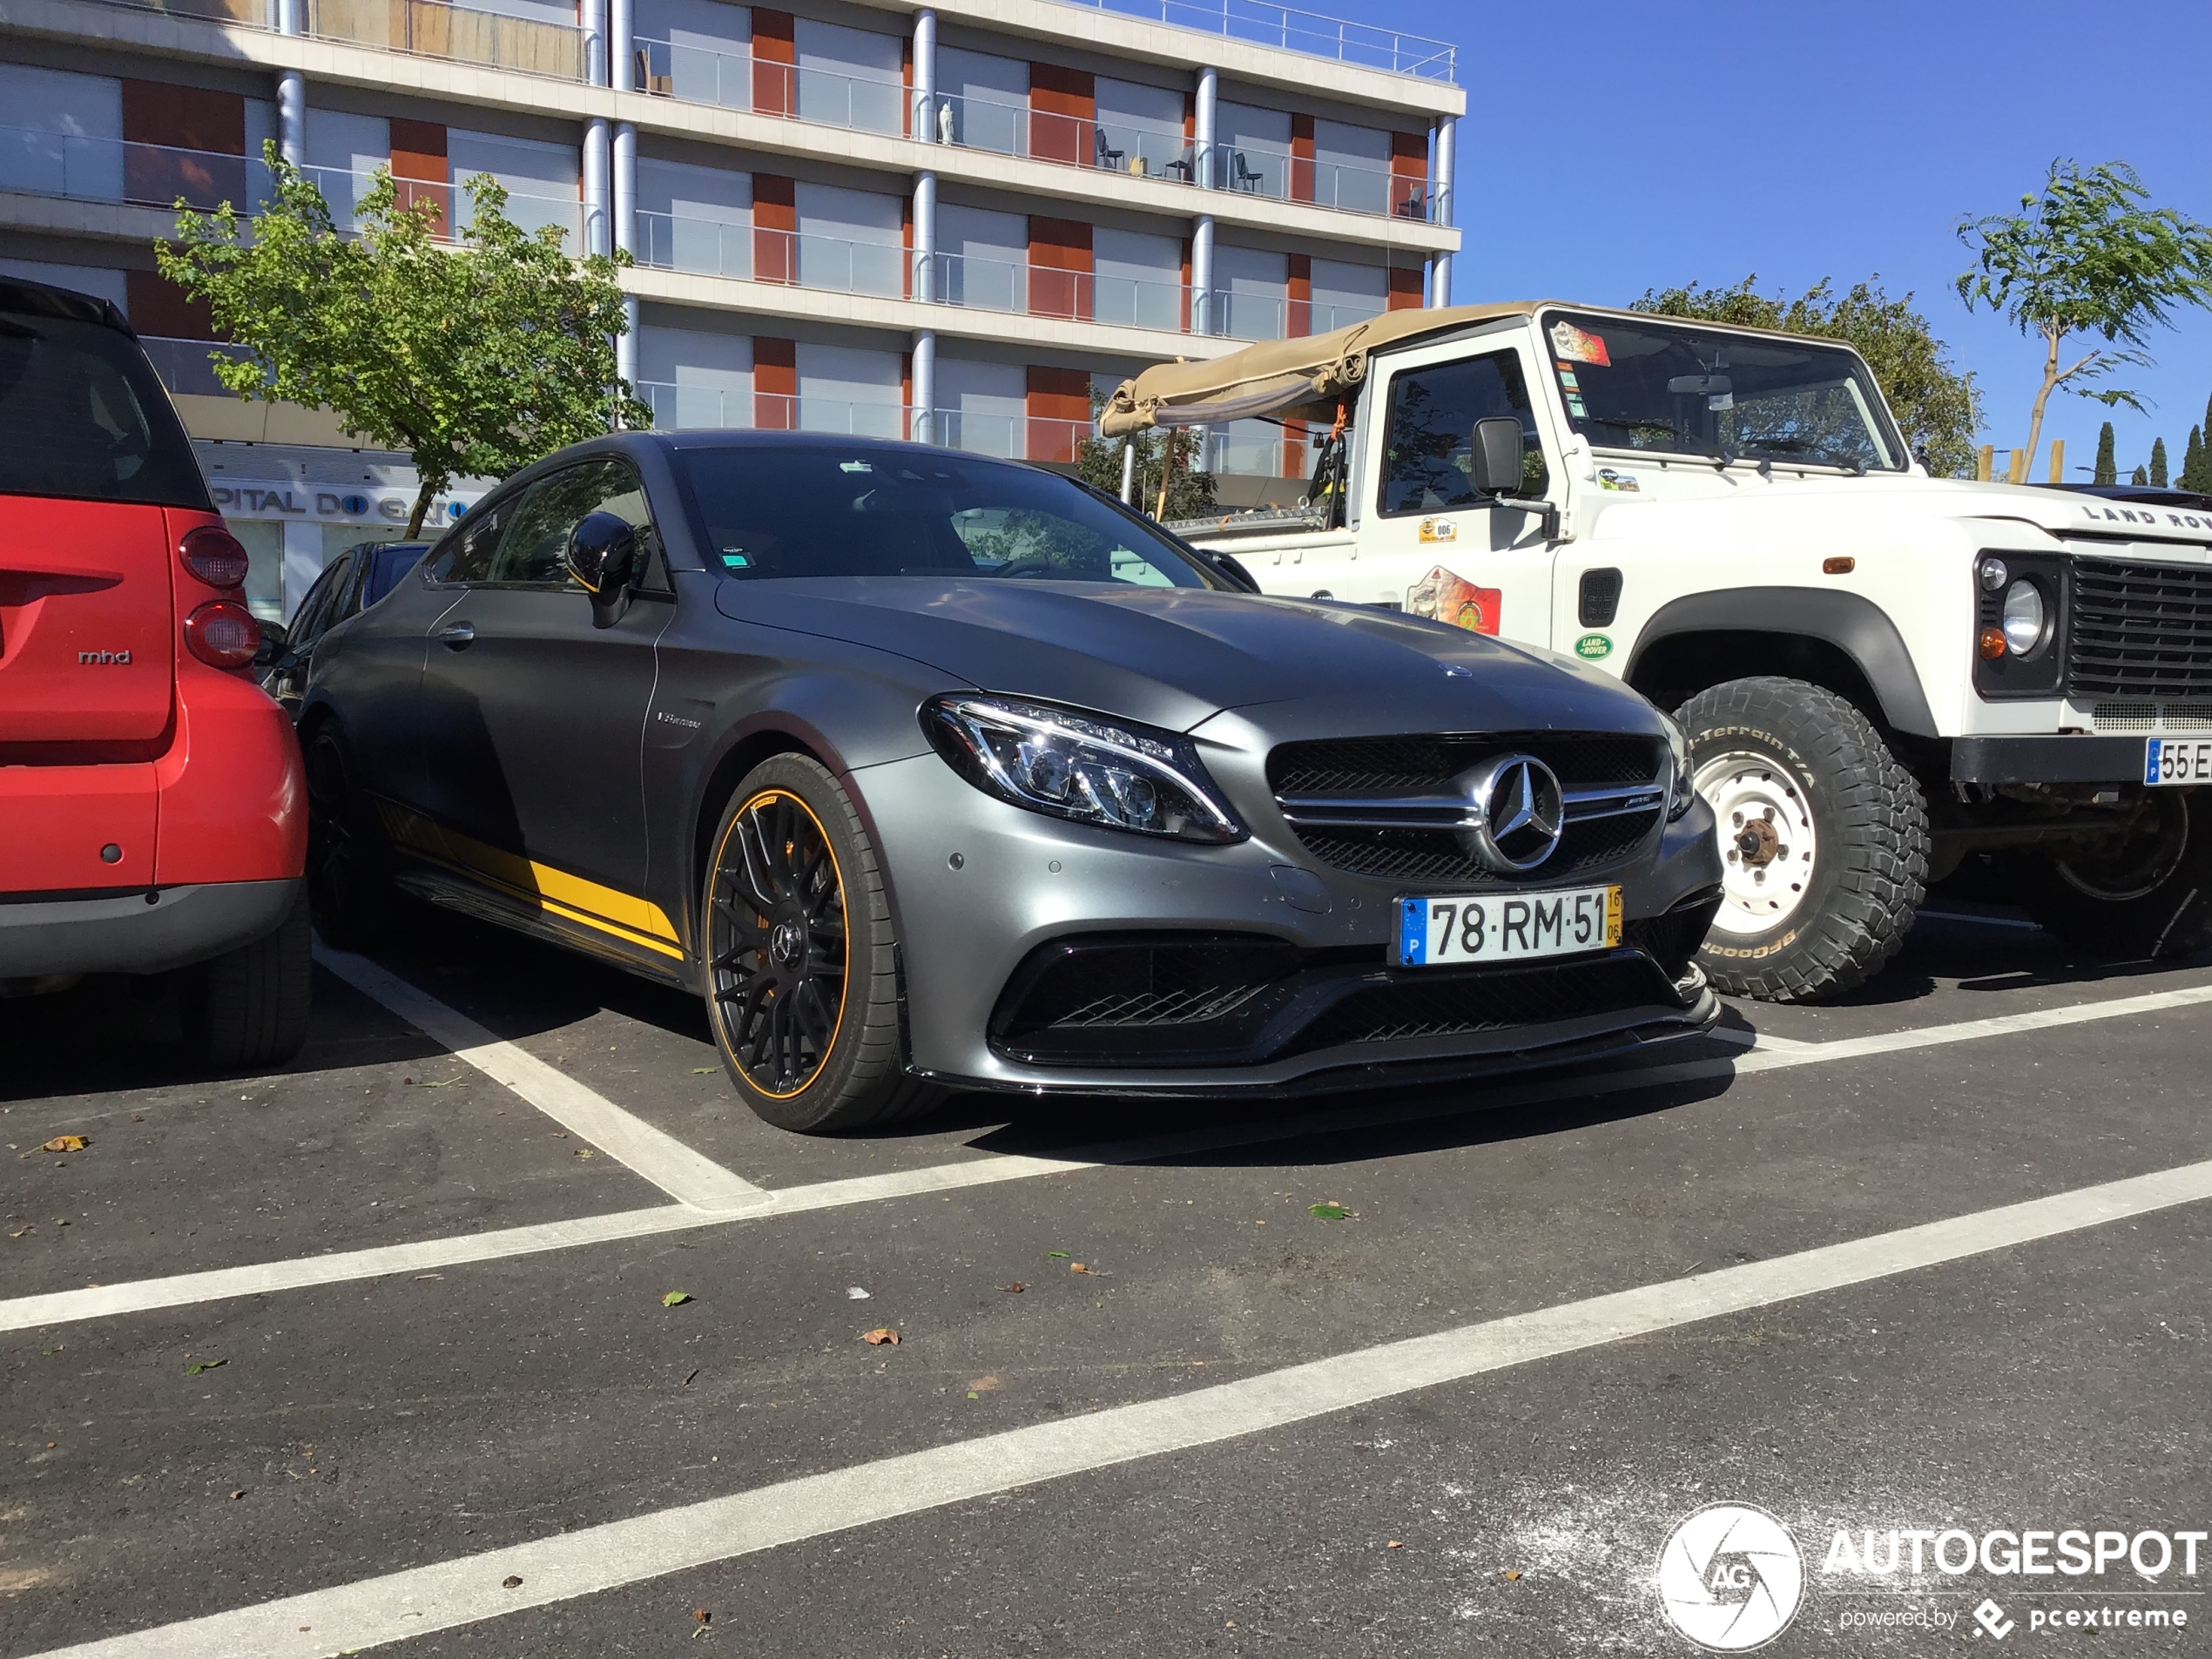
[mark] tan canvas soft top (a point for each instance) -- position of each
(1300, 378)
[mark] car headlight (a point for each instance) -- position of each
(1074, 765)
(2027, 619)
(1685, 794)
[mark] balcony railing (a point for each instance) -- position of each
(738, 80)
(1308, 33)
(343, 192)
(1262, 316)
(439, 30)
(674, 242)
(808, 261)
(113, 170)
(981, 284)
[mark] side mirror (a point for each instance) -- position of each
(1497, 455)
(602, 556)
(276, 640)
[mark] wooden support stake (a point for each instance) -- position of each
(2058, 461)
(1987, 459)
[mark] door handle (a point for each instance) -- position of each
(459, 636)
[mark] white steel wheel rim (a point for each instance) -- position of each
(1769, 848)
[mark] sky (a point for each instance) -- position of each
(1627, 147)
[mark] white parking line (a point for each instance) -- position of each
(472, 1588)
(145, 1295)
(673, 1167)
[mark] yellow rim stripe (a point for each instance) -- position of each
(843, 989)
(634, 920)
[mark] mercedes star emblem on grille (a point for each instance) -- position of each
(1518, 813)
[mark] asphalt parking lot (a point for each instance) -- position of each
(381, 1348)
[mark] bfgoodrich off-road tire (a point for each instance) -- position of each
(802, 963)
(2149, 895)
(248, 1006)
(1824, 839)
(350, 895)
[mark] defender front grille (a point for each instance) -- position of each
(2140, 631)
(1391, 807)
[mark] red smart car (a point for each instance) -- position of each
(152, 816)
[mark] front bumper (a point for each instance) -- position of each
(2072, 759)
(979, 887)
(142, 931)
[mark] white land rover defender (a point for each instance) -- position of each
(1880, 673)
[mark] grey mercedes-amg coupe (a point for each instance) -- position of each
(932, 772)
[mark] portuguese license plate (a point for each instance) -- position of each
(1434, 932)
(2177, 760)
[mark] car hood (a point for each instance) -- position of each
(1175, 657)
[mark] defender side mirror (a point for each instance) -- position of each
(1497, 455)
(601, 558)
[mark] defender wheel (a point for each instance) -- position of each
(802, 979)
(1824, 839)
(248, 1006)
(349, 884)
(2146, 895)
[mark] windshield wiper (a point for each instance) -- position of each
(1800, 447)
(1660, 426)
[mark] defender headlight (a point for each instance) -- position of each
(2027, 619)
(1071, 765)
(1685, 794)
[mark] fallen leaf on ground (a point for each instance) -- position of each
(18, 1235)
(448, 1084)
(1058, 1255)
(236, 1495)
(66, 1144)
(880, 1335)
(1395, 1543)
(675, 1299)
(512, 1581)
(1513, 1572)
(984, 1385)
(1014, 1289)
(1077, 1267)
(586, 1152)
(204, 1365)
(704, 1071)
(688, 1381)
(701, 1615)
(854, 1293)
(1330, 1212)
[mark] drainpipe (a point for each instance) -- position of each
(292, 89)
(925, 94)
(625, 194)
(925, 377)
(1202, 125)
(925, 287)
(1202, 275)
(1448, 132)
(596, 238)
(595, 42)
(621, 49)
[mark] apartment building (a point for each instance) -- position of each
(948, 223)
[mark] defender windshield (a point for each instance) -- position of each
(1677, 388)
(840, 508)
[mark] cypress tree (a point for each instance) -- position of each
(2158, 463)
(2192, 460)
(2108, 469)
(2141, 477)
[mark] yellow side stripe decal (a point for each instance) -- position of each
(636, 921)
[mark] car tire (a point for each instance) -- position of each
(248, 1007)
(350, 862)
(801, 958)
(1823, 838)
(2145, 896)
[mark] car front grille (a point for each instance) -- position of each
(1482, 1000)
(1390, 807)
(2140, 631)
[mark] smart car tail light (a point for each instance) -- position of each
(222, 634)
(1074, 765)
(213, 555)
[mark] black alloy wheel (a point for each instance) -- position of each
(801, 968)
(777, 944)
(349, 889)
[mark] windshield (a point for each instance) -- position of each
(1677, 388)
(775, 510)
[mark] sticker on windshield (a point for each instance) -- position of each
(1626, 481)
(1442, 597)
(1571, 345)
(1567, 378)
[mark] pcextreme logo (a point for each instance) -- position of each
(1731, 1577)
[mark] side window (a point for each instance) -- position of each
(531, 551)
(1428, 444)
(466, 555)
(314, 613)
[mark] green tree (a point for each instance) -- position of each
(2192, 460)
(1190, 493)
(2087, 257)
(1937, 407)
(2107, 470)
(2141, 477)
(474, 357)
(2158, 462)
